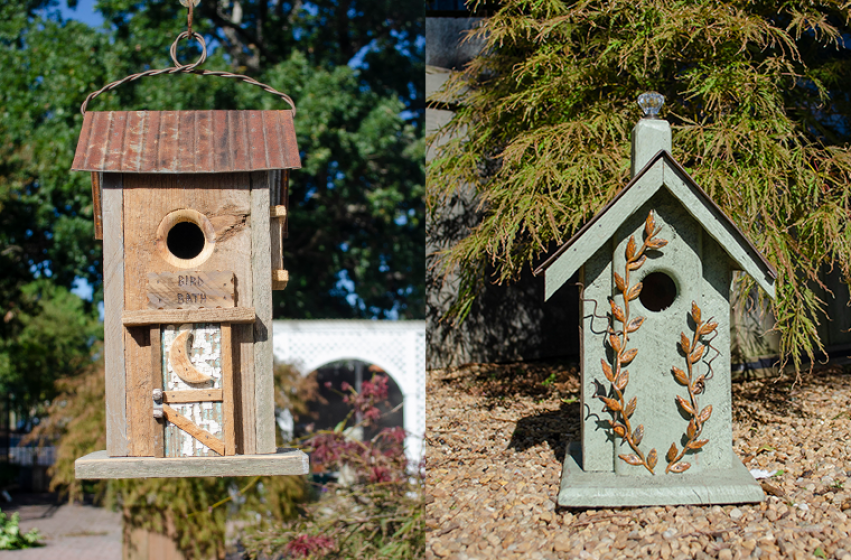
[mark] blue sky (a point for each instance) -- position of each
(85, 12)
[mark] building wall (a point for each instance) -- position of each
(507, 323)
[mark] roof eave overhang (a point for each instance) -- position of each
(662, 171)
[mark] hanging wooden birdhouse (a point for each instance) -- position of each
(190, 206)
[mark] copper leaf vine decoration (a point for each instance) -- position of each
(694, 351)
(618, 339)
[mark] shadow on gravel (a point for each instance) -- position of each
(557, 428)
(497, 382)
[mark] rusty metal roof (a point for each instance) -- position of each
(186, 142)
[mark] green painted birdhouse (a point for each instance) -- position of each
(655, 269)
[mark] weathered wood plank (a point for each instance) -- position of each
(243, 388)
(262, 301)
(99, 465)
(187, 426)
(97, 205)
(277, 247)
(197, 395)
(225, 199)
(137, 356)
(157, 425)
(191, 290)
(227, 390)
(117, 442)
(143, 317)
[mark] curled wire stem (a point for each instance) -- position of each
(617, 375)
(188, 69)
(694, 351)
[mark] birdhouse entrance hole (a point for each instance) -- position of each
(185, 238)
(658, 291)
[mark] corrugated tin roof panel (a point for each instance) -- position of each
(186, 142)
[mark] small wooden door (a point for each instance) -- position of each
(194, 372)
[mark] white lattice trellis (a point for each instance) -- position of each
(397, 347)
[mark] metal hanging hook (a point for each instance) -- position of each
(179, 68)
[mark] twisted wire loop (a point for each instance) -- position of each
(179, 68)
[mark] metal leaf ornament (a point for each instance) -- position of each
(694, 351)
(615, 402)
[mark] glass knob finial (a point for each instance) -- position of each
(650, 102)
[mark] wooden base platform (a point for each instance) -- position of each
(100, 465)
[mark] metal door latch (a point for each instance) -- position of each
(158, 403)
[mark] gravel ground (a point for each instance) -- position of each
(496, 439)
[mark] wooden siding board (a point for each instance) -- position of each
(262, 271)
(137, 357)
(117, 443)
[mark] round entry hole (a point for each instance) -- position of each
(658, 291)
(185, 240)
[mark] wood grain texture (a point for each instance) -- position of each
(277, 248)
(145, 317)
(190, 290)
(243, 388)
(225, 199)
(179, 353)
(157, 425)
(227, 390)
(197, 395)
(97, 205)
(190, 428)
(117, 442)
(262, 300)
(100, 465)
(137, 356)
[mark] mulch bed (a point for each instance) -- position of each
(496, 438)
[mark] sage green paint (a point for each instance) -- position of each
(662, 174)
(704, 250)
(648, 137)
(733, 485)
(596, 276)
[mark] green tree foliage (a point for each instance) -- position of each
(355, 70)
(355, 232)
(757, 93)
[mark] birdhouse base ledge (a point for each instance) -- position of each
(581, 489)
(99, 465)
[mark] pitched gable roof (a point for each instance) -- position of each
(662, 171)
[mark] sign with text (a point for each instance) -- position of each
(190, 290)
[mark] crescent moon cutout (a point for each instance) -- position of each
(178, 357)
